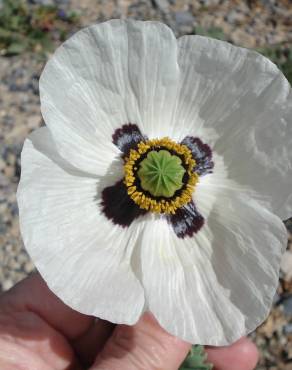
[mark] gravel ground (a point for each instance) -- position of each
(245, 23)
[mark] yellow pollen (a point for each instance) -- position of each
(161, 205)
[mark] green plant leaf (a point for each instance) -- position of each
(26, 27)
(16, 48)
(4, 33)
(196, 360)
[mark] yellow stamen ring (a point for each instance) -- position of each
(160, 205)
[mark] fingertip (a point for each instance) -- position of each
(246, 348)
(145, 345)
(242, 355)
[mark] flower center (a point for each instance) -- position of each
(161, 173)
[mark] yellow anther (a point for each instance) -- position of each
(163, 205)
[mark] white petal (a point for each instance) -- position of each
(240, 103)
(209, 186)
(82, 256)
(105, 76)
(218, 286)
(247, 249)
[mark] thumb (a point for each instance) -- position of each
(144, 346)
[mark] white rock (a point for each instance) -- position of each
(162, 5)
(7, 284)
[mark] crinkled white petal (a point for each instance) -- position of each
(103, 77)
(209, 187)
(247, 249)
(240, 103)
(82, 256)
(217, 286)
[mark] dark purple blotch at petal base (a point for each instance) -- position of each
(202, 153)
(186, 221)
(127, 137)
(118, 206)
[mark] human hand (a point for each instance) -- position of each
(39, 332)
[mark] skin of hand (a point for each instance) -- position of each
(39, 332)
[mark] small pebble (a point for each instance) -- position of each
(287, 305)
(184, 18)
(7, 284)
(163, 5)
(288, 329)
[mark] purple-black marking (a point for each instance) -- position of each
(122, 210)
(127, 137)
(202, 153)
(118, 206)
(186, 221)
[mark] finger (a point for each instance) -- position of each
(32, 294)
(92, 342)
(242, 355)
(28, 342)
(142, 346)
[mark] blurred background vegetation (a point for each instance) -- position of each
(32, 27)
(26, 28)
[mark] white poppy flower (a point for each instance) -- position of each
(160, 179)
